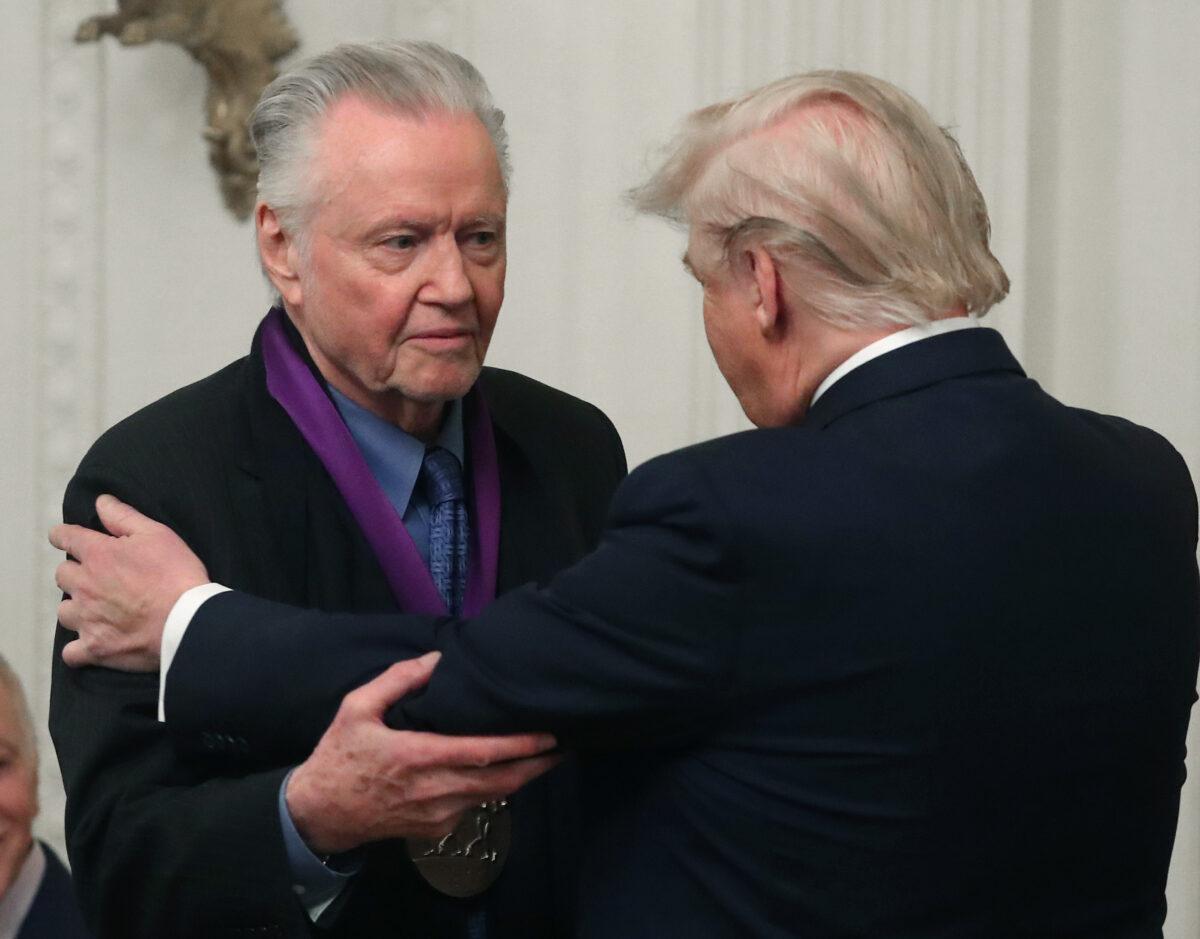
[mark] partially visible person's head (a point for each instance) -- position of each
(865, 203)
(383, 194)
(824, 210)
(18, 776)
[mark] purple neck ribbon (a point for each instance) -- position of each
(299, 393)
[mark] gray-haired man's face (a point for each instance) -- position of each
(18, 791)
(403, 276)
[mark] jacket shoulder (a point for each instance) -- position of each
(512, 394)
(202, 415)
(547, 418)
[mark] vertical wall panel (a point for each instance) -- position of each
(21, 146)
(68, 380)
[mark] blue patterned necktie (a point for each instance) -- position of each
(442, 476)
(443, 480)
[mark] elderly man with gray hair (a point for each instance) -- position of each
(36, 899)
(360, 458)
(915, 658)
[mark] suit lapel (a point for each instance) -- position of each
(539, 535)
(314, 552)
(923, 363)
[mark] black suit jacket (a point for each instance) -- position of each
(919, 667)
(54, 913)
(165, 846)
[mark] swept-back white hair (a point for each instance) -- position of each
(414, 79)
(864, 202)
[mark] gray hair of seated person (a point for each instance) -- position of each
(413, 79)
(865, 204)
(10, 689)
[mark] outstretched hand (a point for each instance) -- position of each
(121, 586)
(366, 782)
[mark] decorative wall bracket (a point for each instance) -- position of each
(238, 42)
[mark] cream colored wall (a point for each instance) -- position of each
(124, 277)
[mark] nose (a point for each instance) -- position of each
(446, 282)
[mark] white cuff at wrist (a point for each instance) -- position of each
(177, 623)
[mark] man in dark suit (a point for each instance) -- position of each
(916, 658)
(36, 897)
(356, 460)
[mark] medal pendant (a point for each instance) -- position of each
(469, 859)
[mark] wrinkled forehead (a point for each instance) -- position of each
(367, 154)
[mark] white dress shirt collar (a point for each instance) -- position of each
(15, 904)
(890, 343)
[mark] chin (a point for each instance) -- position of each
(432, 389)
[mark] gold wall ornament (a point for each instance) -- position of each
(238, 42)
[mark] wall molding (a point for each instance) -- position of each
(69, 380)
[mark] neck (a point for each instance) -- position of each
(420, 419)
(842, 352)
(10, 866)
(824, 352)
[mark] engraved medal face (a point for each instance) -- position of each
(468, 860)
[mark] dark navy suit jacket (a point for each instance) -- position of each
(55, 912)
(921, 666)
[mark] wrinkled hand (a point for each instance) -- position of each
(366, 782)
(121, 587)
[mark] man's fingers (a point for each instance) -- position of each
(75, 655)
(377, 695)
(472, 785)
(68, 615)
(76, 540)
(501, 781)
(440, 750)
(121, 519)
(68, 575)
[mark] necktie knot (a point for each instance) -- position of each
(443, 476)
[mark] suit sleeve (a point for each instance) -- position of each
(159, 846)
(257, 683)
(634, 645)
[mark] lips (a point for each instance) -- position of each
(442, 339)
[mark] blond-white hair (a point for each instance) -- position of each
(866, 205)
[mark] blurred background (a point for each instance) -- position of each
(123, 276)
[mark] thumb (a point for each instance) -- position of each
(119, 518)
(402, 678)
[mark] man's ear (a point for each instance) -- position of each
(278, 250)
(768, 302)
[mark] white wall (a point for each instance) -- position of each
(124, 277)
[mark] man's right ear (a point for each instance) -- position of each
(279, 253)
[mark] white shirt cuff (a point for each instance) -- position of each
(177, 623)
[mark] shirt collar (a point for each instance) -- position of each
(15, 904)
(892, 342)
(395, 456)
